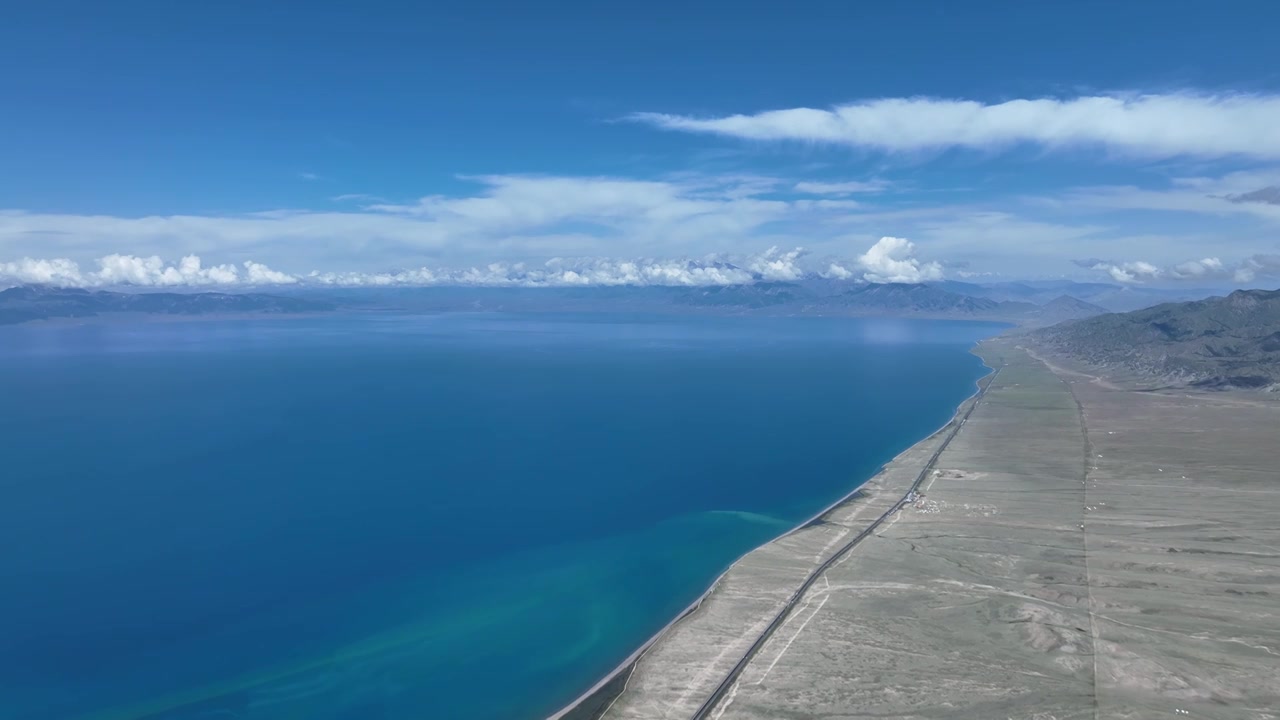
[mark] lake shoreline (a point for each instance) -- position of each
(596, 701)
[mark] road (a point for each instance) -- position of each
(705, 709)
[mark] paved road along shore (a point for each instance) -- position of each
(1081, 551)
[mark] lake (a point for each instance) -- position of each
(369, 516)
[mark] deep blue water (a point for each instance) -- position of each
(404, 517)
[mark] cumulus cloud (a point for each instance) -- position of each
(889, 260)
(131, 270)
(421, 276)
(772, 264)
(775, 264)
(1209, 269)
(557, 272)
(57, 271)
(893, 259)
(259, 274)
(1197, 268)
(1148, 125)
(1129, 272)
(836, 271)
(139, 271)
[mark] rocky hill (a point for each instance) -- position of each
(1221, 342)
(1065, 307)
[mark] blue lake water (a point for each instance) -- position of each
(366, 517)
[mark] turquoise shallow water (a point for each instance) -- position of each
(379, 516)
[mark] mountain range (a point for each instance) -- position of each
(37, 302)
(807, 296)
(1219, 342)
(1031, 304)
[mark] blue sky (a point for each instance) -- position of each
(417, 142)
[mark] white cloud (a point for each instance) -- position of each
(969, 230)
(836, 271)
(358, 197)
(522, 218)
(519, 202)
(1130, 272)
(1257, 267)
(57, 271)
(1177, 200)
(259, 274)
(287, 233)
(1148, 125)
(1209, 269)
(774, 264)
(1263, 266)
(840, 188)
(131, 270)
(507, 217)
(558, 272)
(140, 271)
(1197, 268)
(892, 259)
(421, 276)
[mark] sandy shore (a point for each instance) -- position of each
(1083, 549)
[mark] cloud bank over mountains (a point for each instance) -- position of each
(118, 270)
(1185, 175)
(889, 260)
(511, 218)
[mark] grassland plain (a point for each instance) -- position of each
(1083, 549)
